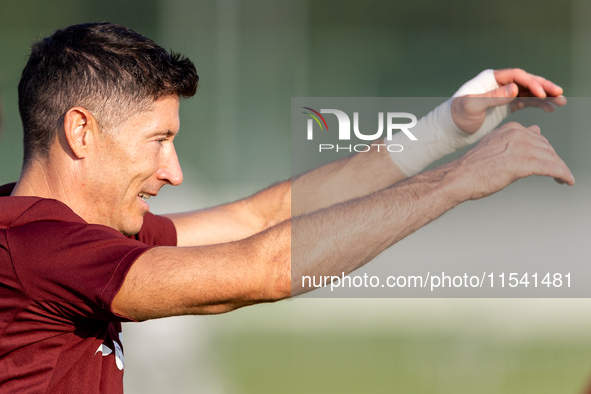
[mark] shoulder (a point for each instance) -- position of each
(58, 257)
(19, 211)
(157, 231)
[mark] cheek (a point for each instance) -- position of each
(143, 167)
(151, 160)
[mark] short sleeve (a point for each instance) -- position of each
(78, 268)
(157, 231)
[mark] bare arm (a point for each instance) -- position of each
(169, 281)
(262, 268)
(234, 221)
(344, 237)
(342, 180)
(172, 281)
(316, 189)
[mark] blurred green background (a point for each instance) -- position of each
(252, 57)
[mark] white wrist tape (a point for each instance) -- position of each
(438, 135)
(480, 84)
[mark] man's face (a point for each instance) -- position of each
(132, 164)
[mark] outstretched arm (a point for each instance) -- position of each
(264, 267)
(319, 188)
(353, 176)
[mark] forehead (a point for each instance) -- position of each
(162, 117)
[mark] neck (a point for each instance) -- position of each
(40, 178)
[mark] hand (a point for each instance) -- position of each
(528, 85)
(532, 90)
(507, 154)
(517, 88)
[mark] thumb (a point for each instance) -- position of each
(500, 96)
(509, 90)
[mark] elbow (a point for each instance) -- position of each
(280, 281)
(272, 250)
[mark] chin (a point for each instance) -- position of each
(130, 229)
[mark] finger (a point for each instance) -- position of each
(505, 76)
(531, 83)
(546, 162)
(535, 85)
(522, 78)
(478, 103)
(530, 136)
(545, 104)
(554, 169)
(509, 90)
(538, 140)
(516, 131)
(527, 91)
(558, 100)
(551, 88)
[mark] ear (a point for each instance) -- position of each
(81, 129)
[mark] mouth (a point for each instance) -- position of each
(144, 196)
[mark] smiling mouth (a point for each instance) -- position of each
(144, 196)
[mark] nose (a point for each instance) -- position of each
(170, 168)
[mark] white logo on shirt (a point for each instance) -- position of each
(105, 350)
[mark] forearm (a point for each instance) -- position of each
(361, 174)
(236, 220)
(212, 279)
(344, 237)
(268, 266)
(351, 177)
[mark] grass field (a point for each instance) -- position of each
(402, 364)
(358, 354)
(367, 346)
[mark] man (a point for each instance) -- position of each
(99, 105)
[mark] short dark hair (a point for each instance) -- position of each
(110, 70)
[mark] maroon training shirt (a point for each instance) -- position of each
(58, 278)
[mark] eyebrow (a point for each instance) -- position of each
(167, 133)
